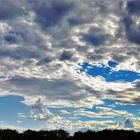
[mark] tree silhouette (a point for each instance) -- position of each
(7, 134)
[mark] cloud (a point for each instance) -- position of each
(9, 10)
(11, 39)
(40, 111)
(21, 115)
(129, 96)
(128, 123)
(19, 121)
(103, 109)
(131, 21)
(70, 126)
(66, 55)
(132, 30)
(52, 8)
(96, 37)
(19, 129)
(65, 112)
(102, 112)
(66, 92)
(133, 7)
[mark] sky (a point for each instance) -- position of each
(70, 64)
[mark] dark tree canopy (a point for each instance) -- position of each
(8, 134)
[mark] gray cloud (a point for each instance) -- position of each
(66, 55)
(49, 13)
(11, 39)
(128, 123)
(9, 10)
(40, 111)
(95, 37)
(133, 7)
(18, 53)
(55, 92)
(130, 21)
(132, 30)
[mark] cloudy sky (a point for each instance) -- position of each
(70, 64)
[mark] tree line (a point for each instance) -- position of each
(7, 134)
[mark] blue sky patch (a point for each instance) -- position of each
(11, 105)
(112, 63)
(108, 73)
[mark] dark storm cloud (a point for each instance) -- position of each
(49, 13)
(95, 37)
(54, 89)
(133, 7)
(9, 9)
(132, 30)
(138, 84)
(66, 55)
(12, 38)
